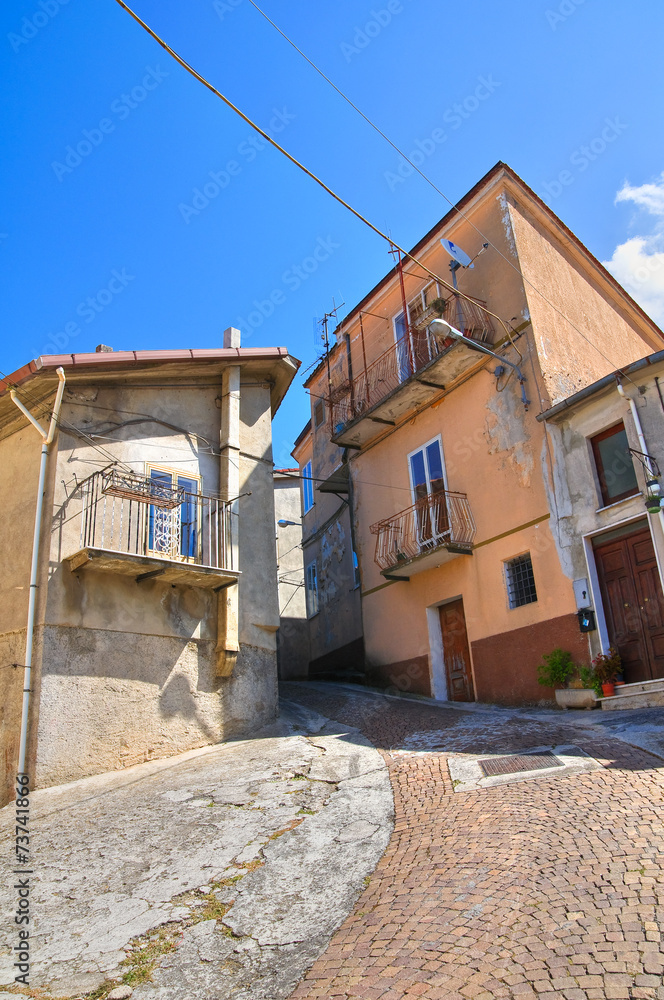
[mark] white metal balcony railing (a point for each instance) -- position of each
(138, 516)
(405, 358)
(438, 520)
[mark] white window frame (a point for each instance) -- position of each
(311, 589)
(307, 488)
(423, 447)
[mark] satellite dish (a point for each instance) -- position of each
(459, 255)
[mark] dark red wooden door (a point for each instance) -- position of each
(456, 652)
(633, 604)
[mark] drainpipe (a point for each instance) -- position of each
(644, 449)
(47, 439)
(228, 607)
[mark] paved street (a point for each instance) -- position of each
(550, 887)
(218, 873)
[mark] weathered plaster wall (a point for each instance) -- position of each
(128, 669)
(492, 449)
(612, 335)
(576, 497)
(293, 635)
(19, 461)
(327, 539)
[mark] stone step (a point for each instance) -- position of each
(637, 699)
(640, 687)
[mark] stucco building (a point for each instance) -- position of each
(449, 471)
(607, 443)
(293, 634)
(157, 599)
(331, 570)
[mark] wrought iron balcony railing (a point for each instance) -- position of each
(405, 358)
(134, 515)
(438, 520)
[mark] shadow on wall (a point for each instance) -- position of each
(176, 698)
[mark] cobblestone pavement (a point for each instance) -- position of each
(550, 887)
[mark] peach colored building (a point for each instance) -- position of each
(449, 472)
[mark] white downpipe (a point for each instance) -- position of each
(47, 439)
(644, 449)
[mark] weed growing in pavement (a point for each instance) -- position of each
(286, 829)
(308, 812)
(143, 960)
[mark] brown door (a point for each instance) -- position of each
(633, 604)
(456, 652)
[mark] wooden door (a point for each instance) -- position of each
(456, 652)
(633, 604)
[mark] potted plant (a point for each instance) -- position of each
(559, 671)
(606, 668)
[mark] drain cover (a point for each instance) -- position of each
(516, 762)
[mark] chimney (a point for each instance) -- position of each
(232, 337)
(103, 349)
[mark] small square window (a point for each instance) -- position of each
(615, 469)
(520, 581)
(319, 413)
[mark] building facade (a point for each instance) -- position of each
(157, 608)
(331, 570)
(608, 448)
(449, 470)
(293, 634)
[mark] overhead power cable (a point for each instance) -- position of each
(268, 138)
(428, 180)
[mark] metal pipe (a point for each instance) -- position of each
(47, 439)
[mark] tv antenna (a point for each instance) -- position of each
(460, 259)
(322, 326)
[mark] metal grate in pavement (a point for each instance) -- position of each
(519, 762)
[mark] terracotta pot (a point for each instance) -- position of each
(608, 690)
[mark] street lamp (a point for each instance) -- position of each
(444, 329)
(284, 524)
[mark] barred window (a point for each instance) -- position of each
(520, 581)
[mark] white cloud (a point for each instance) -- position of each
(638, 264)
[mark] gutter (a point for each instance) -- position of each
(47, 440)
(604, 383)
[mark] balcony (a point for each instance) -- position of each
(434, 530)
(409, 373)
(138, 527)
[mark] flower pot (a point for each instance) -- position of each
(575, 697)
(608, 690)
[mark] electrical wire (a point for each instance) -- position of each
(428, 180)
(268, 138)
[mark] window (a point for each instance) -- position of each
(520, 581)
(427, 479)
(307, 489)
(175, 532)
(312, 590)
(615, 469)
(319, 413)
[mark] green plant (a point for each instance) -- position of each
(589, 679)
(557, 668)
(607, 666)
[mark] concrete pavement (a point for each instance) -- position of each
(219, 873)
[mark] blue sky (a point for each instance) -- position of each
(106, 142)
